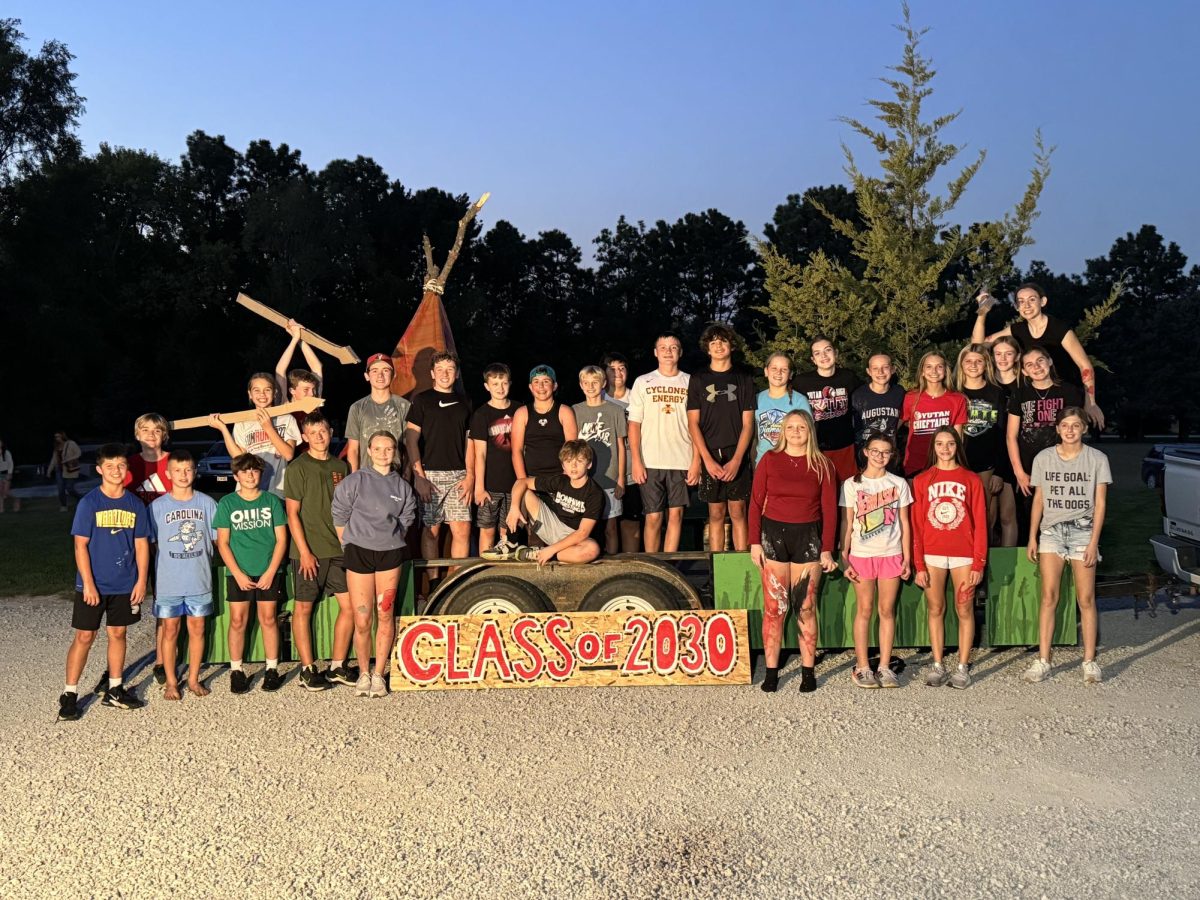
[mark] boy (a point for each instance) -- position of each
(828, 390)
(560, 509)
(602, 425)
(541, 427)
(438, 446)
(149, 478)
(182, 528)
(381, 410)
(316, 553)
(112, 557)
(252, 539)
(665, 461)
(616, 371)
(877, 405)
(720, 412)
(272, 440)
(491, 442)
(298, 383)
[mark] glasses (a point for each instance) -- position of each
(883, 454)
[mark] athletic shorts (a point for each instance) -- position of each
(613, 505)
(844, 462)
(1067, 539)
(194, 605)
(947, 562)
(493, 512)
(791, 542)
(273, 594)
(549, 528)
(664, 489)
(362, 561)
(735, 491)
(631, 503)
(115, 607)
(331, 579)
(444, 503)
(874, 567)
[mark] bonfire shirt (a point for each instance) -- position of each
(493, 427)
(148, 480)
(721, 398)
(987, 414)
(251, 525)
(768, 417)
(829, 397)
(1037, 410)
(111, 525)
(311, 481)
(1069, 485)
(1052, 342)
(253, 439)
(444, 420)
(571, 504)
(876, 412)
(544, 437)
(875, 504)
(603, 427)
(658, 403)
(366, 417)
(184, 532)
(925, 415)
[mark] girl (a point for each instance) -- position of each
(1005, 353)
(372, 510)
(877, 540)
(6, 473)
(793, 522)
(949, 536)
(775, 402)
(928, 408)
(987, 416)
(1070, 493)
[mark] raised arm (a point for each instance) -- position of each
(1079, 356)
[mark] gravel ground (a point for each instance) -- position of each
(1006, 789)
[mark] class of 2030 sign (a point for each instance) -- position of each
(693, 647)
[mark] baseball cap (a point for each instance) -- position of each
(380, 357)
(548, 371)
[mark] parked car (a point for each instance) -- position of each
(1152, 463)
(213, 472)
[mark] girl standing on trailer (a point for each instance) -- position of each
(987, 418)
(927, 409)
(949, 537)
(793, 523)
(877, 542)
(1070, 484)
(775, 402)
(1005, 353)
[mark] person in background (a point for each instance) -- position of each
(1005, 355)
(7, 469)
(64, 468)
(616, 372)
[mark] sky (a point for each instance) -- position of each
(574, 114)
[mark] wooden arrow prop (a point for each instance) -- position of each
(343, 354)
(305, 405)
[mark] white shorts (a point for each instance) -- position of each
(947, 562)
(613, 506)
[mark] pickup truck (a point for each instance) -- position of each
(1176, 549)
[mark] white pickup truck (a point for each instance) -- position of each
(1177, 549)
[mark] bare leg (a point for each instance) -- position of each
(362, 599)
(741, 527)
(270, 627)
(302, 631)
(460, 543)
(77, 654)
(716, 527)
(580, 553)
(889, 590)
(1008, 517)
(343, 627)
(169, 636)
(652, 531)
(964, 605)
(116, 651)
(631, 535)
(385, 605)
(1085, 596)
(487, 539)
(935, 600)
(775, 606)
(612, 536)
(195, 627)
(239, 615)
(806, 578)
(675, 530)
(864, 596)
(1050, 566)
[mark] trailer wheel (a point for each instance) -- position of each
(632, 593)
(487, 595)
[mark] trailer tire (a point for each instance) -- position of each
(632, 593)
(496, 594)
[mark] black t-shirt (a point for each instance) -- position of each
(494, 427)
(876, 412)
(1037, 410)
(443, 419)
(830, 402)
(987, 421)
(544, 437)
(1052, 341)
(721, 398)
(571, 504)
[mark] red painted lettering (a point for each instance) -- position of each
(454, 673)
(537, 662)
(666, 645)
(692, 627)
(406, 652)
(719, 638)
(490, 649)
(587, 647)
(559, 671)
(611, 643)
(639, 627)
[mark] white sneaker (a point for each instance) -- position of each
(378, 686)
(362, 687)
(936, 675)
(1091, 672)
(1039, 670)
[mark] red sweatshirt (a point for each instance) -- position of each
(787, 490)
(924, 415)
(949, 516)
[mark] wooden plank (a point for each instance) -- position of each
(305, 404)
(343, 353)
(581, 649)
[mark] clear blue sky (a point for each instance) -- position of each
(572, 115)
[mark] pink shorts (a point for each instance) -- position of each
(873, 567)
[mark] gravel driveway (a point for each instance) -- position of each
(1005, 789)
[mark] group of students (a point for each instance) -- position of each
(1000, 435)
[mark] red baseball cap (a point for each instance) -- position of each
(380, 357)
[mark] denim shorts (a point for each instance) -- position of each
(1067, 539)
(198, 605)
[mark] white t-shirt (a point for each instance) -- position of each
(659, 404)
(876, 505)
(251, 436)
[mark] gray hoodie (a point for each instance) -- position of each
(375, 510)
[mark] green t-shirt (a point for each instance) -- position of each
(251, 525)
(311, 481)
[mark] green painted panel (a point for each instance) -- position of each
(1015, 596)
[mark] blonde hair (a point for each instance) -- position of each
(816, 459)
(928, 355)
(151, 419)
(593, 372)
(989, 365)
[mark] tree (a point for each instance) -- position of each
(900, 303)
(801, 226)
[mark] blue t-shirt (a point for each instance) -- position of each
(111, 526)
(768, 417)
(184, 532)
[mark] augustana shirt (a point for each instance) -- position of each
(112, 525)
(949, 516)
(1069, 485)
(183, 531)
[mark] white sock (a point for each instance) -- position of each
(71, 689)
(235, 665)
(337, 663)
(272, 664)
(114, 683)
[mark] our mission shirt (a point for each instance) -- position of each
(251, 525)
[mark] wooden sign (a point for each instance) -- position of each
(305, 405)
(693, 647)
(342, 353)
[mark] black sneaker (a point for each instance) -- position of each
(101, 686)
(312, 680)
(272, 680)
(341, 675)
(68, 707)
(119, 698)
(238, 682)
(355, 673)
(160, 674)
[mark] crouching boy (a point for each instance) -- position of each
(560, 509)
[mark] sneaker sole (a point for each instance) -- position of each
(865, 687)
(69, 717)
(313, 688)
(124, 706)
(373, 695)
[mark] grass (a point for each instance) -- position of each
(1134, 513)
